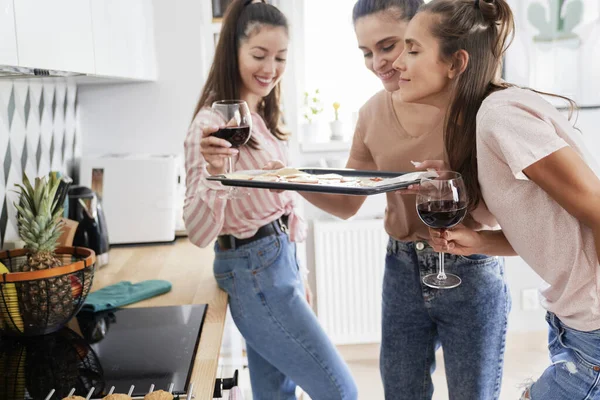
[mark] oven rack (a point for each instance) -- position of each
(188, 396)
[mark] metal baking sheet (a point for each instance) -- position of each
(388, 185)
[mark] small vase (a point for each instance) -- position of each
(337, 132)
(311, 132)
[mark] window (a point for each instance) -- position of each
(333, 63)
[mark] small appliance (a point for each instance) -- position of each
(86, 208)
(138, 192)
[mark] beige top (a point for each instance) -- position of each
(381, 139)
(516, 128)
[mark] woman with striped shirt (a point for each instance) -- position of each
(255, 252)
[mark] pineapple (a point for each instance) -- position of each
(44, 302)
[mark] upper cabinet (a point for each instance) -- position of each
(99, 38)
(124, 38)
(55, 34)
(8, 38)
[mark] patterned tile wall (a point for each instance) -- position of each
(39, 132)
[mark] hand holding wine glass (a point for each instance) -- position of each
(234, 131)
(459, 240)
(215, 151)
(442, 204)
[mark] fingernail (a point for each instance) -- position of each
(415, 163)
(234, 151)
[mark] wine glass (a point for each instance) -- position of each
(442, 204)
(237, 119)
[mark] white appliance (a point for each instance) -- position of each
(139, 195)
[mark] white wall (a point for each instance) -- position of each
(152, 117)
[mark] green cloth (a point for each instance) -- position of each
(123, 293)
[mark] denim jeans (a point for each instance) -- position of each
(285, 344)
(575, 370)
(469, 322)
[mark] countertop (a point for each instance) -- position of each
(189, 269)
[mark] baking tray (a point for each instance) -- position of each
(391, 183)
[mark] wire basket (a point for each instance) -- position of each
(33, 366)
(40, 302)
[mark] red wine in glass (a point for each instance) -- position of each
(236, 135)
(442, 214)
(442, 204)
(237, 120)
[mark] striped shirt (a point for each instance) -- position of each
(207, 216)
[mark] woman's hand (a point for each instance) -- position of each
(459, 240)
(274, 165)
(438, 165)
(214, 150)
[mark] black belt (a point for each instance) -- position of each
(280, 225)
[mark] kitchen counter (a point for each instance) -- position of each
(189, 269)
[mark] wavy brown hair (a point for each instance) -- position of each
(243, 18)
(484, 29)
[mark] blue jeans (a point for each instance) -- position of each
(285, 343)
(469, 322)
(575, 370)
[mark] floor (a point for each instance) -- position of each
(525, 359)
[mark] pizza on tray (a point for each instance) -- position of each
(293, 175)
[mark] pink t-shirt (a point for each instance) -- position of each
(515, 129)
(207, 215)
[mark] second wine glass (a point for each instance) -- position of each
(237, 119)
(442, 204)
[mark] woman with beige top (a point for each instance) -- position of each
(469, 321)
(525, 159)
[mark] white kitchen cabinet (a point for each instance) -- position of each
(124, 38)
(8, 38)
(55, 35)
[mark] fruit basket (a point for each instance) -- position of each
(42, 286)
(41, 301)
(32, 367)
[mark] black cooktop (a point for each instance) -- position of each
(133, 346)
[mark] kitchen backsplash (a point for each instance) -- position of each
(39, 132)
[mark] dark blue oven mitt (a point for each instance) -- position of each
(124, 293)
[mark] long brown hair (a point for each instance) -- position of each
(484, 29)
(241, 19)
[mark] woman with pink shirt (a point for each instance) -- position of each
(255, 251)
(528, 163)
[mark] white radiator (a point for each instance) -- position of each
(349, 265)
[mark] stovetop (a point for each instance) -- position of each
(133, 346)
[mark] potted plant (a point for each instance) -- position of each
(336, 125)
(312, 109)
(556, 58)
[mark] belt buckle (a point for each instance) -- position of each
(282, 226)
